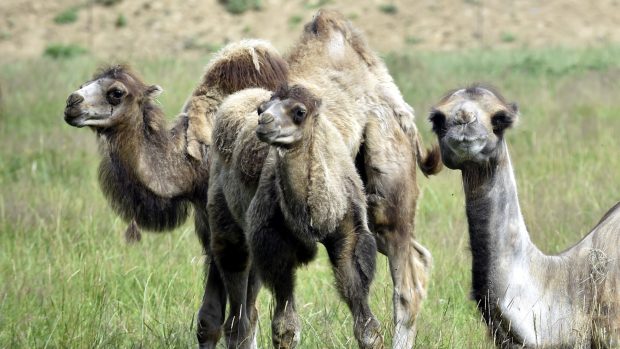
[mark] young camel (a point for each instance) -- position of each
(321, 199)
(527, 299)
(379, 130)
(146, 173)
(309, 191)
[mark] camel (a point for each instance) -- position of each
(147, 173)
(238, 208)
(527, 299)
(321, 199)
(379, 134)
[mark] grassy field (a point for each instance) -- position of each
(67, 279)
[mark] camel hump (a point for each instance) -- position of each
(235, 122)
(614, 211)
(245, 64)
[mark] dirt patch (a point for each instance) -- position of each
(140, 28)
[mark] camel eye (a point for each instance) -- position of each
(299, 114)
(261, 109)
(115, 95)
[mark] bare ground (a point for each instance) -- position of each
(195, 27)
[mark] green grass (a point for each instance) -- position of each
(68, 279)
(58, 51)
(237, 7)
(389, 9)
(67, 16)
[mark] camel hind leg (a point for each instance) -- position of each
(389, 173)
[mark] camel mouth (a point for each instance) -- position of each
(464, 142)
(276, 137)
(267, 134)
(74, 117)
(78, 118)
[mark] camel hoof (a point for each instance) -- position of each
(285, 331)
(369, 335)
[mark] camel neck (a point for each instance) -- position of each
(312, 178)
(498, 237)
(148, 151)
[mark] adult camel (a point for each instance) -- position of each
(528, 299)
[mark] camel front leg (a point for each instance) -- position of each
(212, 310)
(232, 257)
(254, 286)
(276, 259)
(213, 307)
(352, 251)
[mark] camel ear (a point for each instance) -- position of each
(504, 119)
(153, 91)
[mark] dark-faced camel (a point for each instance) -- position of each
(377, 128)
(528, 299)
(148, 173)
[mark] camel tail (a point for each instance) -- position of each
(429, 160)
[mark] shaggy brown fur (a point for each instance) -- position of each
(145, 172)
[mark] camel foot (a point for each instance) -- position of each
(285, 331)
(368, 334)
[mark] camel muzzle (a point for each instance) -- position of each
(267, 129)
(74, 99)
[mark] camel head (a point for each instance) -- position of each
(282, 118)
(114, 96)
(470, 124)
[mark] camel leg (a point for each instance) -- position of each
(232, 257)
(390, 178)
(410, 264)
(352, 252)
(213, 308)
(276, 259)
(254, 286)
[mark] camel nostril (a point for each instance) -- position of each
(74, 99)
(265, 118)
(464, 117)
